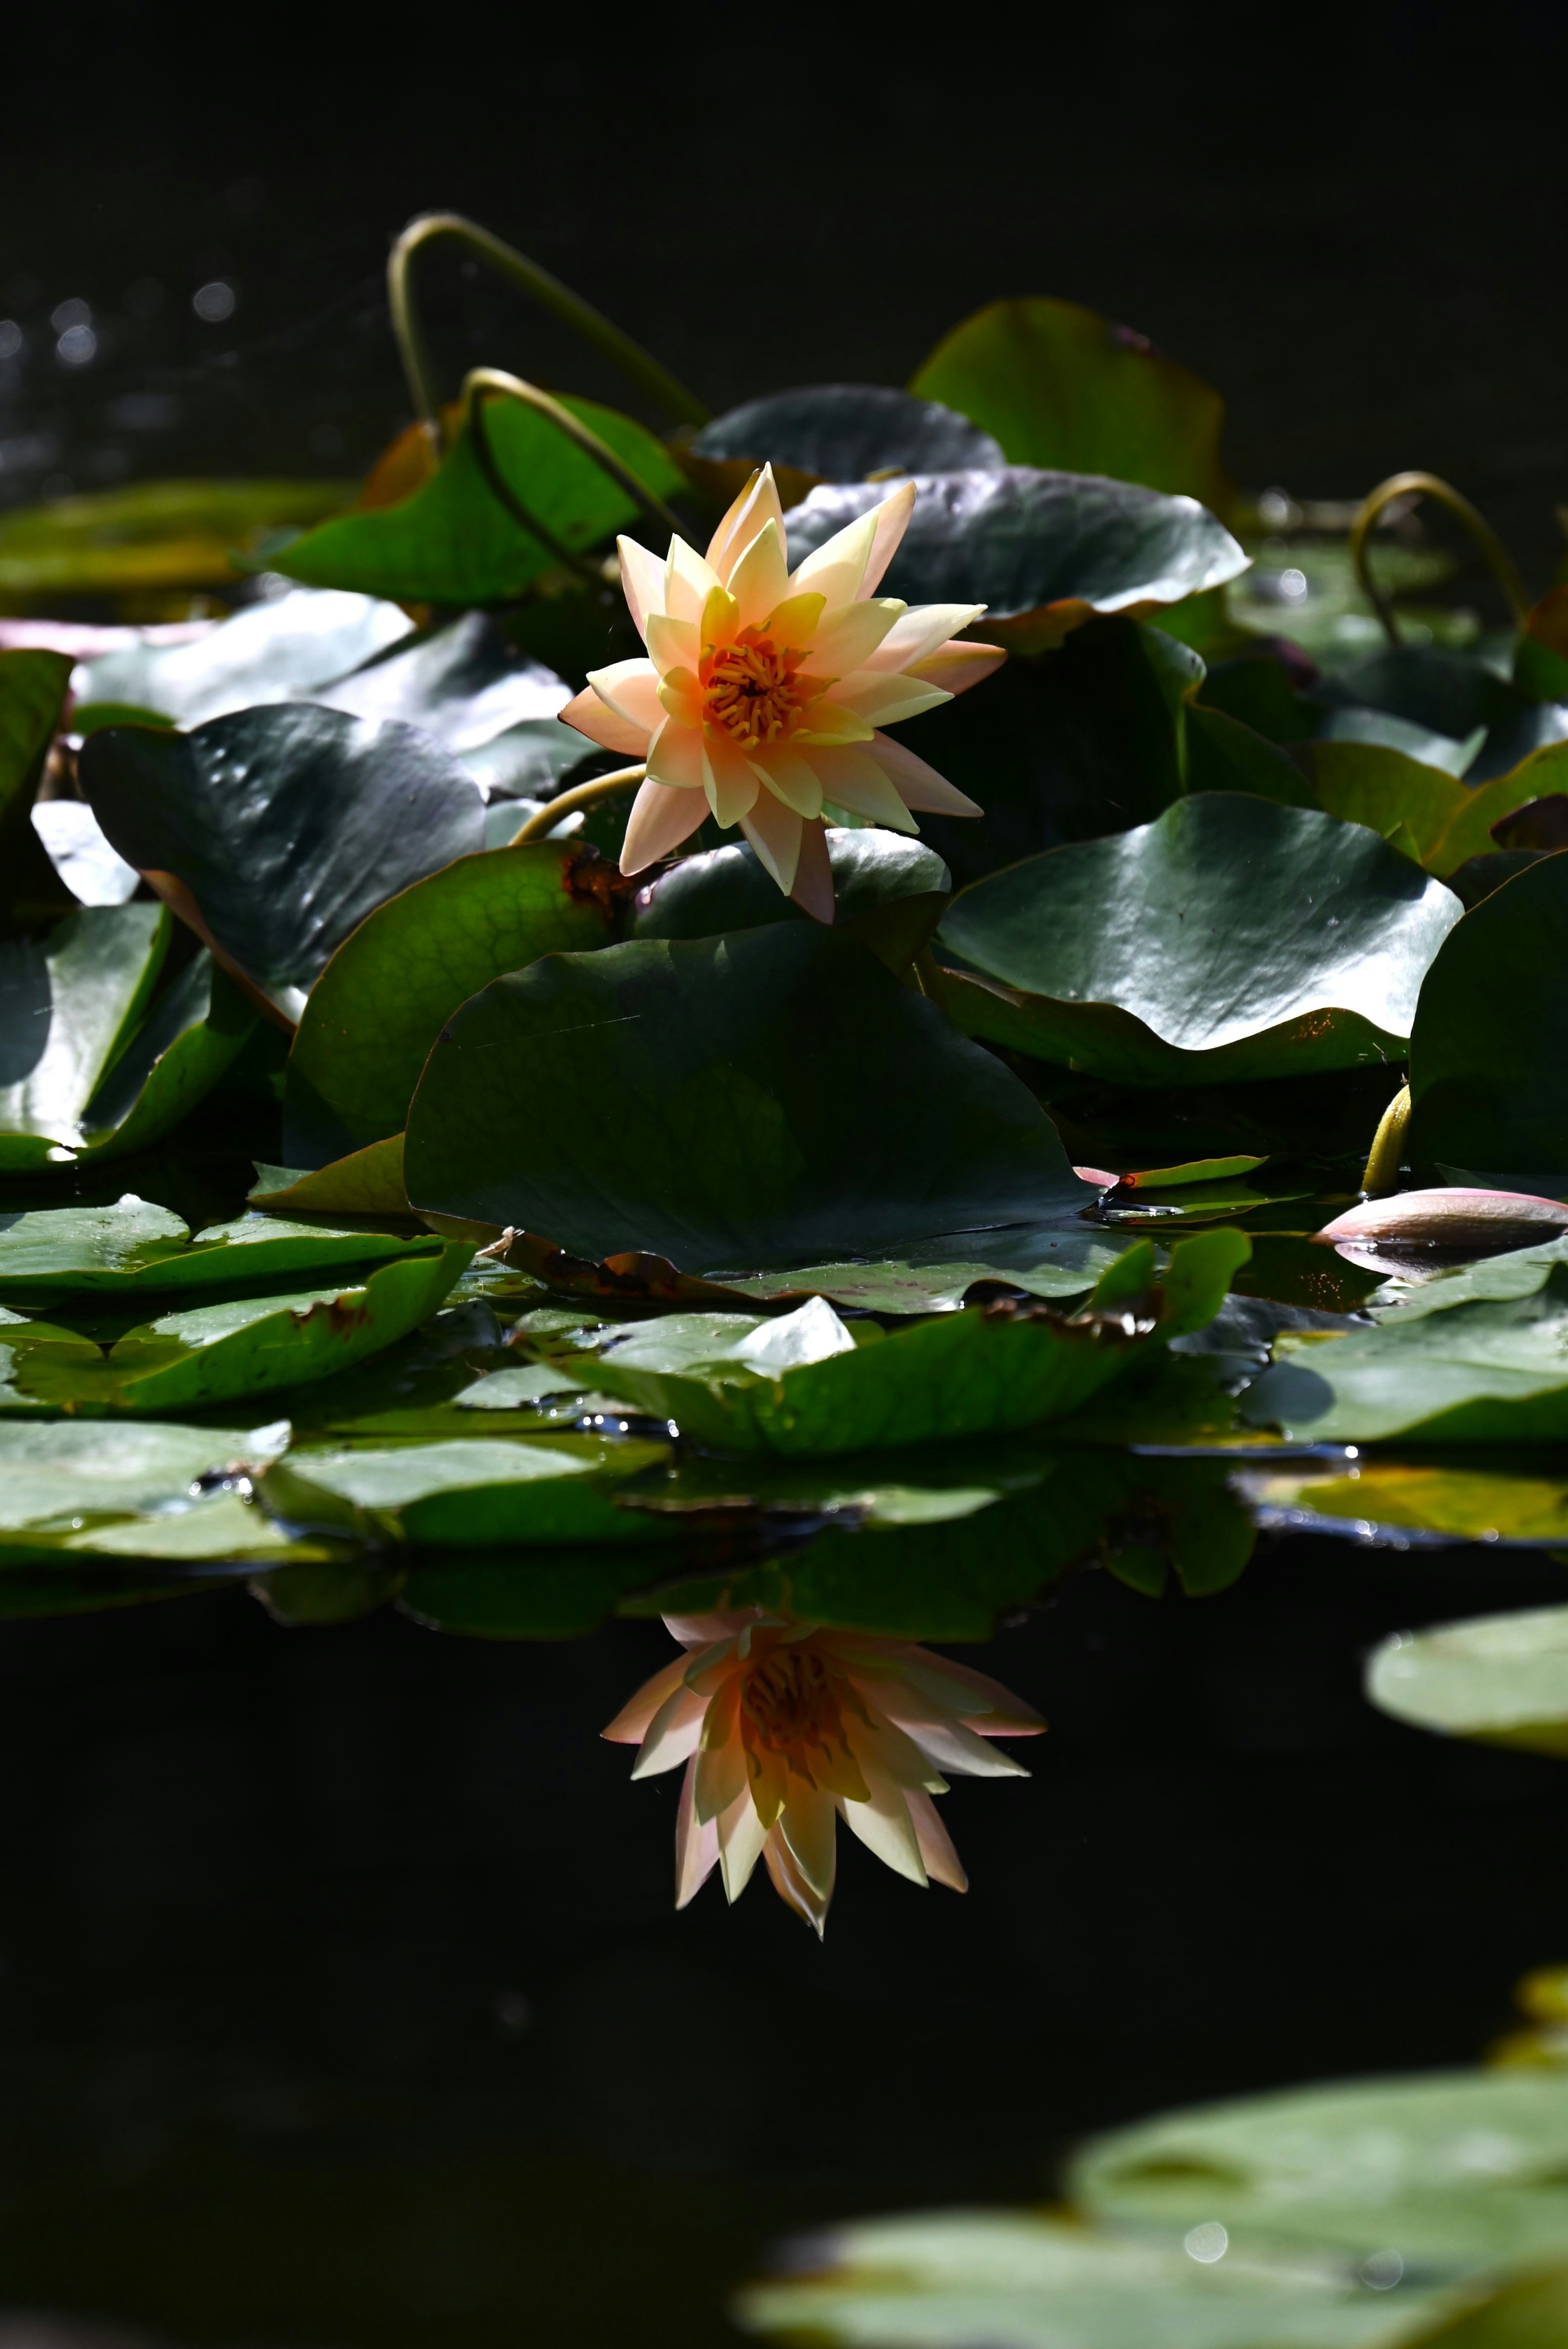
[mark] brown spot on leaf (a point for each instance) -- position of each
(590, 879)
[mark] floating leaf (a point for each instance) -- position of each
(1488, 1079)
(276, 650)
(1499, 1678)
(1061, 386)
(701, 1098)
(890, 892)
(1230, 939)
(285, 826)
(381, 1002)
(1044, 551)
(845, 432)
(69, 1004)
(1457, 2171)
(135, 1249)
(454, 542)
(1454, 696)
(60, 1476)
(467, 684)
(481, 1493)
(73, 839)
(153, 534)
(368, 1182)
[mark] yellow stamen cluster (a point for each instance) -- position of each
(751, 688)
(791, 1700)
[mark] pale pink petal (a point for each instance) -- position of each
(680, 697)
(854, 637)
(630, 1725)
(929, 1687)
(696, 1842)
(883, 1827)
(808, 1827)
(721, 1757)
(732, 788)
(673, 1734)
(838, 565)
(919, 786)
(955, 668)
(774, 831)
(600, 724)
(943, 1864)
(742, 1837)
(674, 756)
(630, 688)
(883, 1752)
(660, 820)
(891, 520)
(760, 579)
(672, 644)
(756, 505)
(999, 1714)
(813, 884)
(711, 1630)
(790, 776)
(851, 779)
(642, 583)
(922, 630)
(882, 700)
(952, 1745)
(790, 1887)
(688, 582)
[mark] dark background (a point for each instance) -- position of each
(342, 2005)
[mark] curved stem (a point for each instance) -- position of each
(638, 366)
(491, 383)
(582, 795)
(1382, 1175)
(1428, 485)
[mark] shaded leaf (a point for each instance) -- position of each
(69, 1003)
(194, 1032)
(847, 432)
(33, 687)
(889, 891)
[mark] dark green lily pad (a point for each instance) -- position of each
(1230, 940)
(216, 1353)
(1499, 1678)
(379, 1004)
(287, 825)
(195, 1030)
(847, 431)
(284, 648)
(1458, 2171)
(889, 891)
(1453, 696)
(454, 542)
(1059, 1259)
(700, 1099)
(135, 1249)
(483, 1493)
(1489, 1076)
(69, 1003)
(33, 685)
(1048, 550)
(1441, 819)
(467, 684)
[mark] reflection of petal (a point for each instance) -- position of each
(812, 888)
(721, 1758)
(808, 1827)
(673, 1734)
(602, 725)
(919, 786)
(951, 1746)
(696, 1843)
(642, 583)
(941, 1862)
(741, 1838)
(631, 1723)
(792, 1886)
(884, 1826)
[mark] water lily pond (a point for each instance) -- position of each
(754, 1169)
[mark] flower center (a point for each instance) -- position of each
(751, 688)
(791, 1700)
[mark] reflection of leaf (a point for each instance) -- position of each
(153, 534)
(1059, 385)
(379, 1004)
(1500, 1678)
(454, 542)
(1234, 938)
(1489, 1078)
(641, 1098)
(286, 825)
(481, 1493)
(1451, 1505)
(69, 1002)
(1457, 2170)
(1044, 551)
(555, 1593)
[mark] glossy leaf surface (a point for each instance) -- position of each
(478, 1494)
(136, 1249)
(889, 892)
(847, 431)
(70, 1001)
(285, 646)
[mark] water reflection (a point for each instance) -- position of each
(786, 1727)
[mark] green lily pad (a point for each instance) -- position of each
(1518, 1272)
(1488, 1079)
(1061, 386)
(454, 542)
(287, 825)
(890, 892)
(1453, 696)
(152, 534)
(135, 1249)
(69, 1003)
(197, 1028)
(950, 2279)
(701, 1098)
(1487, 1372)
(276, 650)
(381, 1002)
(61, 1478)
(470, 687)
(1043, 552)
(801, 1383)
(847, 432)
(1445, 820)
(1499, 1678)
(483, 1493)
(1230, 940)
(1457, 2171)
(1060, 1259)
(215, 1353)
(33, 685)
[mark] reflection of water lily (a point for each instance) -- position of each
(765, 689)
(781, 1725)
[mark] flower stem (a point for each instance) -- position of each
(582, 795)
(638, 366)
(492, 383)
(1428, 485)
(1382, 1173)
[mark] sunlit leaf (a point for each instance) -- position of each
(479, 1494)
(152, 534)
(837, 432)
(69, 1002)
(284, 648)
(136, 1249)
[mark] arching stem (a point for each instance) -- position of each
(583, 795)
(1428, 485)
(1382, 1175)
(638, 366)
(493, 383)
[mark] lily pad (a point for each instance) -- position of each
(73, 841)
(60, 1478)
(890, 892)
(136, 1249)
(1489, 1078)
(285, 827)
(1457, 2171)
(465, 685)
(481, 1493)
(701, 1098)
(848, 432)
(33, 687)
(1445, 822)
(1043, 552)
(70, 1002)
(1061, 386)
(1499, 1678)
(1230, 940)
(276, 650)
(454, 542)
(153, 534)
(381, 1002)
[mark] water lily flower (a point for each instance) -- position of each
(787, 1727)
(765, 689)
